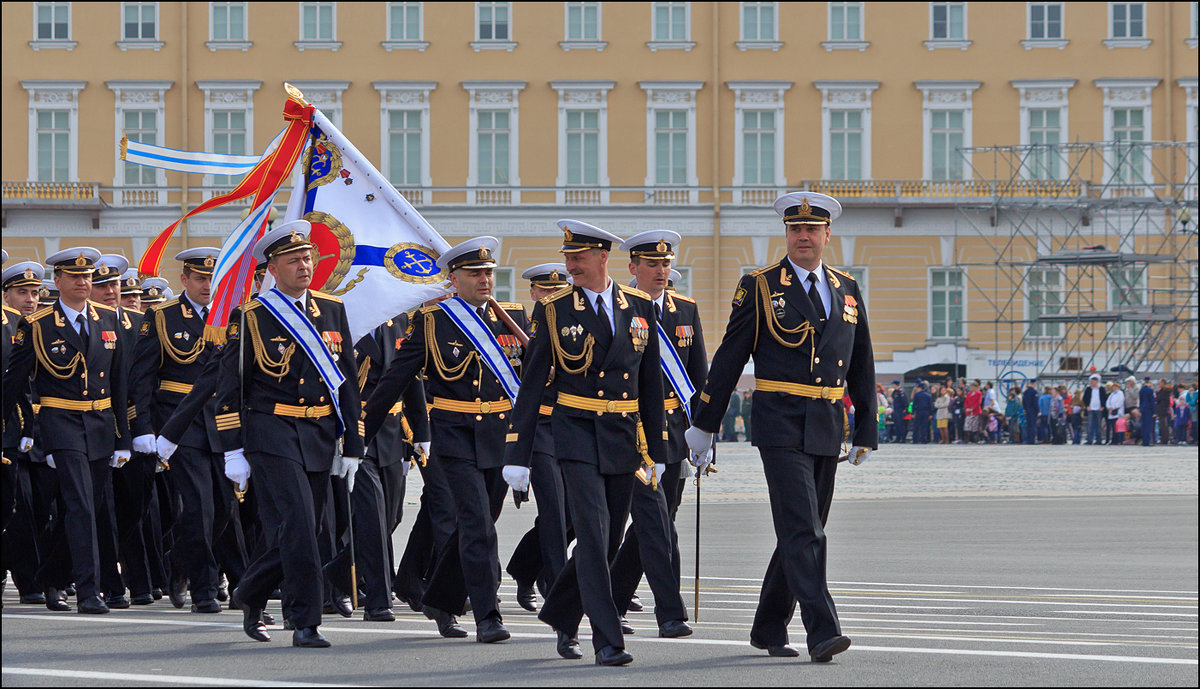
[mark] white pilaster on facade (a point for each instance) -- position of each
(845, 95)
(582, 95)
(757, 95)
(494, 95)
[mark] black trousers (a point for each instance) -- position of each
(296, 500)
(801, 490)
(431, 531)
(469, 565)
(599, 505)
(30, 502)
(542, 551)
(208, 511)
(652, 544)
(393, 479)
(129, 501)
(371, 536)
(83, 485)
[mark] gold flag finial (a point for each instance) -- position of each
(295, 94)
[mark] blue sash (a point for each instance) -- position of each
(469, 322)
(297, 324)
(673, 368)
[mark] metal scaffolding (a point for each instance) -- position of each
(1093, 255)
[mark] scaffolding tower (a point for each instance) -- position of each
(1093, 256)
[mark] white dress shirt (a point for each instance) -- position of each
(822, 283)
(606, 297)
(72, 316)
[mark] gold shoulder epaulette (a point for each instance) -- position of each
(40, 313)
(634, 291)
(165, 304)
(679, 297)
(842, 273)
(328, 297)
(762, 270)
(9, 309)
(428, 309)
(556, 295)
(511, 306)
(251, 305)
(140, 313)
(106, 307)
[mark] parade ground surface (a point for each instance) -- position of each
(950, 565)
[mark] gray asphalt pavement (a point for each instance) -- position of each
(950, 565)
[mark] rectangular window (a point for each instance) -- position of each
(946, 137)
(845, 21)
(494, 18)
(670, 147)
(860, 276)
(228, 21)
(404, 142)
(946, 303)
(758, 21)
(493, 135)
(1044, 296)
(1127, 291)
(140, 126)
(758, 147)
(583, 21)
(53, 145)
(1130, 157)
(684, 284)
(846, 144)
(583, 147)
(1045, 20)
(1044, 130)
(141, 21)
(670, 21)
(229, 136)
(503, 289)
(1128, 20)
(316, 21)
(404, 21)
(949, 21)
(53, 21)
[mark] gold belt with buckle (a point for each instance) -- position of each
(460, 406)
(300, 412)
(597, 405)
(816, 392)
(172, 386)
(77, 405)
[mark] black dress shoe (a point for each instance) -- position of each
(268, 618)
(177, 592)
(448, 625)
(70, 590)
(379, 615)
(142, 599)
(635, 604)
(157, 593)
(118, 602)
(782, 651)
(92, 606)
(36, 598)
(526, 597)
(626, 628)
(490, 631)
(55, 602)
(673, 629)
(309, 637)
(613, 656)
(339, 605)
(826, 650)
(206, 606)
(568, 647)
(252, 622)
(223, 591)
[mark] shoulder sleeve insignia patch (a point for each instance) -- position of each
(145, 327)
(739, 296)
(233, 331)
(533, 329)
(19, 338)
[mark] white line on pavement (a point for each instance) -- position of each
(157, 679)
(964, 586)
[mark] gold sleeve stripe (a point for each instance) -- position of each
(227, 422)
(704, 397)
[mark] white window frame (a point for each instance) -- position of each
(53, 43)
(671, 95)
(419, 43)
(1142, 42)
(243, 44)
(685, 44)
(1050, 330)
(866, 277)
(773, 43)
(831, 43)
(1043, 94)
(598, 43)
(845, 95)
(1057, 43)
(944, 95)
(492, 43)
(1188, 84)
(757, 95)
(325, 94)
(406, 95)
(48, 94)
(582, 95)
(303, 43)
(929, 305)
(949, 43)
(511, 288)
(154, 44)
(227, 95)
(1193, 10)
(685, 276)
(1128, 94)
(139, 95)
(494, 95)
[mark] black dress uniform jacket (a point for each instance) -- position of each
(771, 314)
(67, 366)
(375, 353)
(20, 423)
(681, 323)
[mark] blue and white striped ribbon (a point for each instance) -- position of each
(469, 322)
(193, 161)
(673, 368)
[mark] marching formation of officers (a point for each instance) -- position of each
(147, 457)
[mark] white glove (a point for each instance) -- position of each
(165, 448)
(144, 444)
(659, 470)
(237, 469)
(349, 469)
(25, 445)
(120, 458)
(50, 461)
(516, 477)
(700, 444)
(422, 448)
(858, 454)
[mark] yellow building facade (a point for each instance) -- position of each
(500, 117)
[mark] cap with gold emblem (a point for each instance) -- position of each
(807, 208)
(477, 252)
(49, 291)
(652, 244)
(130, 283)
(24, 274)
(548, 275)
(201, 259)
(580, 236)
(154, 290)
(110, 267)
(288, 237)
(79, 260)
(674, 277)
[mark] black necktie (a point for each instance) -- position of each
(658, 312)
(602, 313)
(204, 313)
(83, 329)
(815, 296)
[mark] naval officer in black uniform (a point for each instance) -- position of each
(276, 414)
(805, 324)
(599, 339)
(70, 351)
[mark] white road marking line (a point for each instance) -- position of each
(964, 586)
(1130, 612)
(158, 679)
